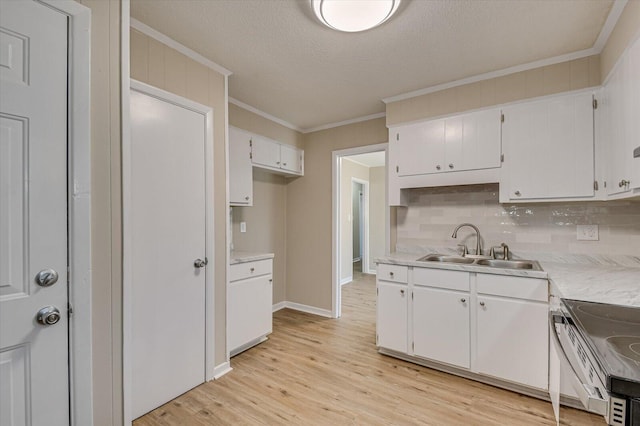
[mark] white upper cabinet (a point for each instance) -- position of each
(240, 168)
(460, 143)
(277, 157)
(549, 149)
(620, 127)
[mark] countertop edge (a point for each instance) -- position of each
(245, 256)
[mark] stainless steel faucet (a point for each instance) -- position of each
(478, 244)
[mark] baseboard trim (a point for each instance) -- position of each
(221, 370)
(303, 308)
(278, 306)
(346, 280)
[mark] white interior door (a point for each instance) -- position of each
(33, 215)
(168, 235)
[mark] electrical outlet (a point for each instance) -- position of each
(243, 226)
(587, 232)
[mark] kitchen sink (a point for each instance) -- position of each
(445, 258)
(508, 264)
(491, 263)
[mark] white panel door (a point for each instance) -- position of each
(392, 318)
(168, 235)
(240, 168)
(513, 340)
(420, 148)
(290, 159)
(33, 214)
(444, 341)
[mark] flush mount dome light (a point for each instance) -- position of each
(354, 15)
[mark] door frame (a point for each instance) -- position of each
(207, 112)
(79, 208)
(364, 223)
(336, 160)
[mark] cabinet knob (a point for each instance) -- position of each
(277, 162)
(451, 166)
(482, 304)
(402, 292)
(391, 274)
(246, 198)
(623, 182)
(284, 164)
(438, 167)
(252, 269)
(463, 300)
(517, 193)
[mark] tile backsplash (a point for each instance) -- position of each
(433, 213)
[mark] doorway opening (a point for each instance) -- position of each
(360, 212)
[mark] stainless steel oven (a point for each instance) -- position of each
(601, 343)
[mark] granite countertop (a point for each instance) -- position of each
(594, 282)
(238, 256)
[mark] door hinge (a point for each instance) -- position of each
(595, 185)
(376, 339)
(397, 136)
(251, 156)
(411, 295)
(595, 103)
(377, 292)
(502, 118)
(251, 142)
(413, 346)
(397, 169)
(69, 310)
(502, 158)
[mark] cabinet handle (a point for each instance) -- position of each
(623, 182)
(451, 166)
(481, 303)
(438, 167)
(252, 269)
(463, 300)
(517, 193)
(402, 292)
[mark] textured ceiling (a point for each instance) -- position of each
(287, 64)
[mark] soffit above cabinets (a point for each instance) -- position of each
(286, 64)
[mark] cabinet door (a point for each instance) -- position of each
(550, 148)
(437, 339)
(420, 148)
(265, 152)
(291, 159)
(481, 142)
(392, 316)
(513, 340)
(250, 310)
(240, 168)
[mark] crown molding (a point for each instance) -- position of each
(263, 114)
(345, 122)
(157, 35)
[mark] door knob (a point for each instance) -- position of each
(46, 277)
(199, 263)
(48, 315)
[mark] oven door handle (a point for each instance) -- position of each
(588, 394)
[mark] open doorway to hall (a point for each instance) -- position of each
(360, 214)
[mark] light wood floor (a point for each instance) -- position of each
(319, 371)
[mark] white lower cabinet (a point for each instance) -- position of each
(250, 304)
(512, 340)
(392, 316)
(488, 325)
(441, 325)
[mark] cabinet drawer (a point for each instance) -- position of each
(395, 273)
(519, 287)
(241, 271)
(453, 280)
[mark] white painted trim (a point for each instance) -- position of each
(346, 280)
(603, 37)
(345, 122)
(221, 370)
(609, 24)
(207, 112)
(278, 306)
(365, 224)
(263, 114)
(228, 227)
(157, 35)
(336, 158)
(309, 309)
(79, 205)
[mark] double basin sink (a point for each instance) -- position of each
(491, 263)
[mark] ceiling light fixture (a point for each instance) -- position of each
(354, 15)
